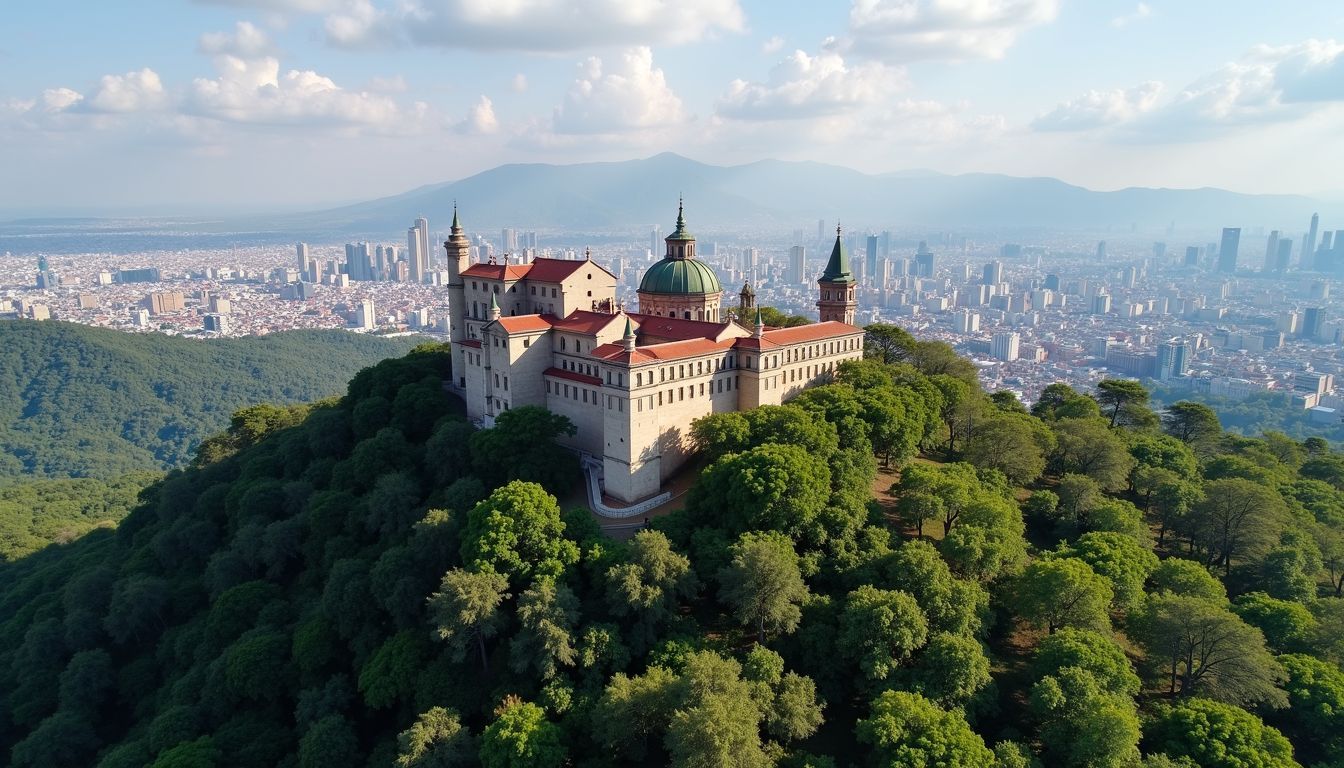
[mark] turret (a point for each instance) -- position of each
(836, 286)
(457, 248)
(494, 307)
(746, 299)
(628, 339)
(760, 324)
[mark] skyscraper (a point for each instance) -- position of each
(993, 273)
(417, 250)
(1101, 249)
(1005, 346)
(924, 262)
(1051, 282)
(1170, 360)
(302, 253)
(1227, 250)
(1192, 256)
(870, 265)
(1272, 251)
(1311, 322)
(509, 240)
(1159, 251)
(655, 239)
(1309, 245)
(797, 265)
(1284, 256)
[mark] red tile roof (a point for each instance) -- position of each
(473, 343)
(554, 270)
(583, 321)
(811, 332)
(497, 271)
(674, 350)
(524, 323)
(673, 328)
(616, 353)
(561, 373)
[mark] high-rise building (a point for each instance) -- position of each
(1192, 256)
(1051, 282)
(1170, 362)
(364, 315)
(966, 321)
(655, 239)
(1284, 256)
(797, 266)
(1309, 245)
(870, 263)
(821, 230)
(217, 323)
(1311, 322)
(924, 261)
(1101, 304)
(1005, 346)
(1227, 250)
(508, 240)
(1101, 249)
(1271, 251)
(1159, 251)
(418, 250)
(993, 273)
(1321, 262)
(302, 254)
(164, 302)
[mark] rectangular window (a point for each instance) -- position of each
(660, 397)
(506, 383)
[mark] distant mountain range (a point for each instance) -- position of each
(621, 196)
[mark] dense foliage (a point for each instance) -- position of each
(77, 401)
(371, 581)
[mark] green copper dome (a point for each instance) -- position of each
(680, 276)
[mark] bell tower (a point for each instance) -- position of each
(458, 251)
(836, 297)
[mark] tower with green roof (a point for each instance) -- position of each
(837, 300)
(680, 285)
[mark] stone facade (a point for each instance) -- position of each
(549, 334)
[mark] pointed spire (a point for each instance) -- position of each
(760, 324)
(628, 340)
(680, 233)
(837, 268)
(494, 307)
(456, 226)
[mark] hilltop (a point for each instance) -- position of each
(77, 401)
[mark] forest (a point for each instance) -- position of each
(77, 401)
(369, 580)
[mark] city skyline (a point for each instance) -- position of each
(245, 103)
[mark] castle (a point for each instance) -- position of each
(551, 334)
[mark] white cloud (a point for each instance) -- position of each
(60, 99)
(1140, 13)
(247, 41)
(131, 92)
(773, 45)
(909, 30)
(360, 24)
(531, 25)
(480, 119)
(1312, 71)
(803, 86)
(519, 84)
(254, 91)
(1097, 109)
(629, 94)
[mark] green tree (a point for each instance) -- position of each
(1197, 647)
(1288, 626)
(200, 753)
(1083, 724)
(1015, 444)
(1092, 651)
(887, 343)
(1116, 394)
(1217, 735)
(717, 731)
(880, 629)
(1192, 423)
(1120, 559)
(256, 666)
(522, 737)
(906, 729)
(773, 318)
(650, 586)
(1063, 592)
(1315, 711)
(466, 608)
(547, 615)
(1087, 447)
(517, 531)
(521, 447)
(951, 670)
(391, 674)
(632, 710)
(64, 740)
(436, 739)
(330, 743)
(1236, 519)
(1186, 577)
(764, 584)
(769, 487)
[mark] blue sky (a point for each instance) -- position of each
(247, 104)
